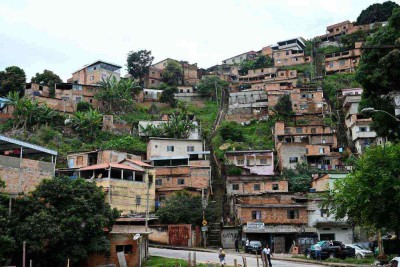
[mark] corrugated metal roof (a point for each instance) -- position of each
(27, 145)
(138, 162)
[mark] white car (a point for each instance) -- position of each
(395, 262)
(361, 252)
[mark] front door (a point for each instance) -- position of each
(279, 244)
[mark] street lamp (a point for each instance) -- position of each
(369, 109)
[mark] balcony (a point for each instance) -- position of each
(364, 134)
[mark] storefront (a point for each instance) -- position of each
(279, 237)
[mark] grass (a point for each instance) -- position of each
(347, 260)
(156, 261)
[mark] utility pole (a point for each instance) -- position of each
(23, 253)
(147, 201)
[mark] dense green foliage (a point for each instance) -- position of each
(7, 240)
(284, 106)
(178, 126)
(332, 83)
(30, 114)
(47, 78)
(168, 95)
(83, 106)
(138, 64)
(376, 13)
(183, 207)
(12, 80)
(62, 219)
(87, 123)
(173, 73)
(369, 196)
(379, 75)
(211, 85)
(117, 97)
(348, 41)
(260, 62)
(231, 131)
(299, 179)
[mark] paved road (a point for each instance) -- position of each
(213, 258)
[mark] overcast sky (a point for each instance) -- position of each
(65, 35)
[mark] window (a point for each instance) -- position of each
(158, 181)
(313, 130)
(181, 181)
(190, 148)
(327, 236)
(321, 150)
(263, 161)
(65, 98)
(90, 100)
(92, 77)
(138, 200)
(282, 74)
(275, 186)
(235, 186)
(152, 81)
(292, 214)
(299, 130)
(127, 249)
(78, 99)
(278, 54)
(291, 73)
(79, 160)
(256, 215)
(341, 62)
(240, 161)
(331, 64)
(323, 140)
(306, 151)
(287, 53)
(170, 148)
(257, 187)
(293, 159)
(363, 129)
(324, 212)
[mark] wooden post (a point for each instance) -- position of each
(30, 263)
(235, 262)
(23, 253)
(244, 261)
(190, 260)
(194, 258)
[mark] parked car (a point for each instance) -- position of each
(395, 262)
(331, 249)
(361, 252)
(253, 247)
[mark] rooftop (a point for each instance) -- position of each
(98, 61)
(109, 165)
(7, 143)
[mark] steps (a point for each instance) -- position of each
(214, 235)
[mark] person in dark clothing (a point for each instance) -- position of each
(237, 245)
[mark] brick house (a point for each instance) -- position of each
(289, 58)
(274, 218)
(180, 164)
(67, 95)
(154, 78)
(251, 55)
(95, 72)
(315, 145)
(345, 61)
(6, 109)
(19, 167)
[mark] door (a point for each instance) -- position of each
(279, 244)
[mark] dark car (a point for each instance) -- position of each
(253, 247)
(331, 249)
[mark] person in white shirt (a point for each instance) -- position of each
(317, 249)
(266, 255)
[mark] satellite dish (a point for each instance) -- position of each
(225, 146)
(136, 237)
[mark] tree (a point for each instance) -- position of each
(117, 96)
(185, 208)
(263, 62)
(368, 196)
(173, 73)
(63, 219)
(379, 73)
(138, 64)
(47, 78)
(209, 84)
(87, 124)
(231, 131)
(284, 106)
(7, 240)
(168, 95)
(376, 13)
(29, 113)
(245, 66)
(12, 80)
(83, 106)
(299, 179)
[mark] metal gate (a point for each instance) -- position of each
(279, 244)
(179, 235)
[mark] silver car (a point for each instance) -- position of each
(361, 252)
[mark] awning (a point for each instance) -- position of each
(108, 165)
(280, 229)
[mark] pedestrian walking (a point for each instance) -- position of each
(221, 257)
(317, 249)
(237, 245)
(266, 255)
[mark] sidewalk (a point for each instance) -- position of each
(281, 257)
